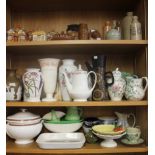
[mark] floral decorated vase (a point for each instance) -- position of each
(134, 89)
(33, 83)
(116, 91)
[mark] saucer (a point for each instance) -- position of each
(127, 142)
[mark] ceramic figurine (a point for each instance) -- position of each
(33, 83)
(79, 89)
(13, 86)
(49, 68)
(116, 91)
(68, 67)
(134, 89)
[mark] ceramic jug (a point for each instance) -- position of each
(13, 86)
(134, 89)
(49, 68)
(117, 89)
(123, 119)
(79, 89)
(73, 114)
(33, 83)
(68, 67)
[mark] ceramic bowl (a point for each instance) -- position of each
(61, 128)
(23, 134)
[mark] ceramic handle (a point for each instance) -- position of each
(95, 79)
(134, 118)
(145, 78)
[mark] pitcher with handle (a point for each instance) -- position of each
(79, 89)
(123, 119)
(134, 89)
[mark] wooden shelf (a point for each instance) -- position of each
(67, 46)
(83, 104)
(11, 147)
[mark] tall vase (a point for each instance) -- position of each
(13, 86)
(49, 68)
(68, 67)
(33, 83)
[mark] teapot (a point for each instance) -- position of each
(73, 114)
(79, 88)
(134, 89)
(123, 119)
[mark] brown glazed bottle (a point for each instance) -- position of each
(13, 86)
(100, 92)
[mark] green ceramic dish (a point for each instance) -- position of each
(63, 121)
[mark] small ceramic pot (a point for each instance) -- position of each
(33, 84)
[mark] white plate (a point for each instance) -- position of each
(61, 140)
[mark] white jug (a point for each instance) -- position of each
(79, 89)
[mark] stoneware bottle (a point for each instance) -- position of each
(116, 91)
(13, 86)
(126, 25)
(33, 83)
(135, 29)
(68, 67)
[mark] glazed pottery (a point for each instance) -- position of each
(134, 89)
(79, 89)
(33, 83)
(68, 67)
(133, 134)
(22, 118)
(108, 120)
(73, 114)
(13, 86)
(131, 143)
(23, 134)
(62, 128)
(117, 89)
(123, 119)
(126, 25)
(49, 73)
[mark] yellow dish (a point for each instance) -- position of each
(106, 130)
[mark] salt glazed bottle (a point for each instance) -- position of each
(126, 25)
(135, 29)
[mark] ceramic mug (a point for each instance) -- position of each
(133, 134)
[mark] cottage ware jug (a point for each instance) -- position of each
(116, 91)
(33, 83)
(79, 89)
(134, 89)
(68, 67)
(13, 86)
(73, 114)
(49, 68)
(123, 119)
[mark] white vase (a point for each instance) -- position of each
(68, 67)
(33, 83)
(49, 68)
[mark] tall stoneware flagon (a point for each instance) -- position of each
(49, 69)
(33, 83)
(13, 86)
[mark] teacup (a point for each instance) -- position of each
(133, 134)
